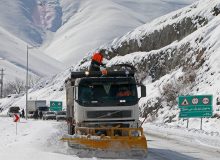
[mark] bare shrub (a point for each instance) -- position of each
(151, 108)
(32, 81)
(14, 87)
(182, 86)
(17, 86)
(170, 92)
(189, 77)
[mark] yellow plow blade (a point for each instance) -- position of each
(129, 139)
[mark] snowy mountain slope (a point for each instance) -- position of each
(13, 52)
(150, 36)
(34, 21)
(30, 20)
(70, 29)
(16, 16)
(21, 23)
(158, 33)
(88, 24)
(199, 56)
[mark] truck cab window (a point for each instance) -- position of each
(107, 94)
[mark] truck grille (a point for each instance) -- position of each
(109, 114)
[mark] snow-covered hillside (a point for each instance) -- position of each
(89, 24)
(17, 18)
(13, 54)
(31, 19)
(70, 29)
(19, 27)
(67, 29)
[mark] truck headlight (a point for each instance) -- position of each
(86, 73)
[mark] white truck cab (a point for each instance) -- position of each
(94, 100)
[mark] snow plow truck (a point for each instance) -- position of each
(103, 114)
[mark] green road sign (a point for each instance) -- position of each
(56, 105)
(195, 106)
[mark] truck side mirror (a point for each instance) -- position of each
(143, 91)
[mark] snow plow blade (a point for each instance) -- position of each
(130, 141)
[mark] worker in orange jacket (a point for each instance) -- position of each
(124, 92)
(97, 61)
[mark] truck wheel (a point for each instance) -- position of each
(71, 130)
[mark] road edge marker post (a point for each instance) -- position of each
(16, 119)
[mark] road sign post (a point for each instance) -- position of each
(197, 106)
(201, 124)
(16, 119)
(187, 126)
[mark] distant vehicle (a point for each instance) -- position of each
(13, 95)
(34, 105)
(30, 114)
(43, 109)
(61, 115)
(13, 110)
(49, 115)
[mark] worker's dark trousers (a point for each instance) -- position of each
(94, 66)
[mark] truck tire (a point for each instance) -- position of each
(71, 130)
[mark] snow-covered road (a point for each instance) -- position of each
(38, 139)
(164, 146)
(35, 139)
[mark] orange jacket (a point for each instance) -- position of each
(97, 57)
(124, 94)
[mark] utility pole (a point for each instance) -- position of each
(26, 86)
(27, 81)
(2, 74)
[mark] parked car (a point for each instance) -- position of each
(30, 114)
(13, 95)
(13, 110)
(49, 115)
(61, 115)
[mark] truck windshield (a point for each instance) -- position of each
(106, 93)
(43, 108)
